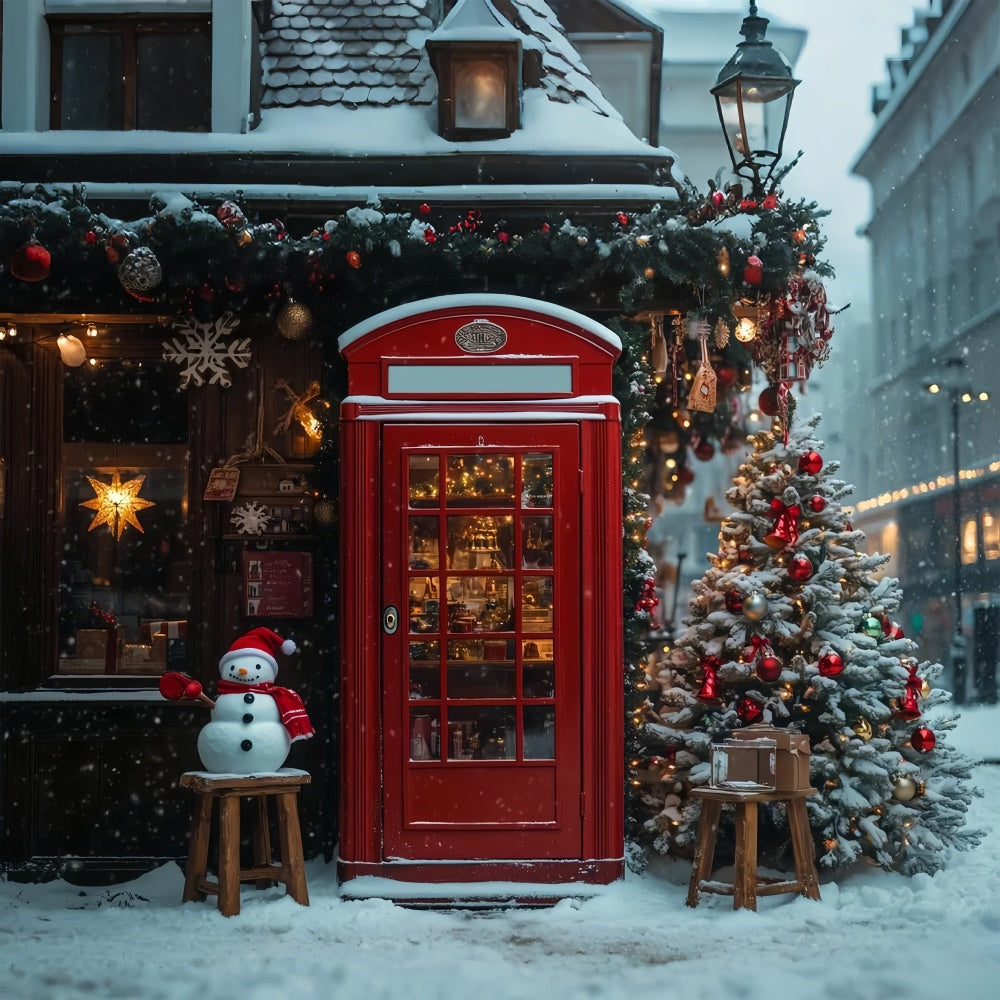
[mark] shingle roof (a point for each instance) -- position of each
(370, 53)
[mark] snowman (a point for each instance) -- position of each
(254, 721)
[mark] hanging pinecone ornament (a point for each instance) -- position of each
(31, 262)
(140, 272)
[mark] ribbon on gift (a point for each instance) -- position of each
(759, 647)
(786, 524)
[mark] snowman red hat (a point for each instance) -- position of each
(262, 641)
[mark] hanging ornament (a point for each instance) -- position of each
(891, 630)
(863, 729)
(769, 668)
(117, 503)
(817, 504)
(810, 463)
(353, 258)
(231, 215)
(31, 262)
(800, 567)
(704, 451)
(830, 665)
(907, 708)
(658, 347)
(720, 335)
(324, 513)
(749, 711)
(755, 606)
(925, 688)
(702, 395)
(746, 330)
(786, 524)
(923, 740)
(870, 626)
(753, 273)
(648, 601)
(294, 320)
(734, 601)
(767, 401)
(904, 788)
(201, 351)
(727, 375)
(709, 689)
(140, 272)
(722, 259)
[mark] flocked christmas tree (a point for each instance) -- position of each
(792, 626)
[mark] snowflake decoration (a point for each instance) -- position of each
(203, 352)
(250, 519)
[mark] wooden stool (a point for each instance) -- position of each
(284, 787)
(747, 884)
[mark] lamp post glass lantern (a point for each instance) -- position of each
(756, 75)
(957, 390)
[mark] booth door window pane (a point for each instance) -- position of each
(482, 568)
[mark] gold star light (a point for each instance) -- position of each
(116, 504)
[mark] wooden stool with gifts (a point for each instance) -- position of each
(756, 764)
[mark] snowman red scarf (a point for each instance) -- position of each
(290, 705)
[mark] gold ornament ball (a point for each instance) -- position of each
(324, 512)
(755, 606)
(294, 321)
(863, 729)
(904, 788)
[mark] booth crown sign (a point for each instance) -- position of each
(254, 721)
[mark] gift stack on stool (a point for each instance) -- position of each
(756, 764)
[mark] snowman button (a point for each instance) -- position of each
(248, 698)
(246, 745)
(248, 717)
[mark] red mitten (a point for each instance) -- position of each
(175, 686)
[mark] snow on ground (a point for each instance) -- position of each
(873, 936)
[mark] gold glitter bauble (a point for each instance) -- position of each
(863, 728)
(294, 320)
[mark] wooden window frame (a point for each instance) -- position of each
(128, 27)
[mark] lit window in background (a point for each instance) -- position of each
(970, 550)
(991, 537)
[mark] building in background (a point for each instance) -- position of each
(935, 234)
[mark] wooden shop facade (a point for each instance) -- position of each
(229, 411)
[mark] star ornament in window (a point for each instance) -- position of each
(117, 504)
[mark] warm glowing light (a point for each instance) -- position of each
(91, 330)
(746, 330)
(117, 503)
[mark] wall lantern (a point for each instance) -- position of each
(476, 55)
(756, 75)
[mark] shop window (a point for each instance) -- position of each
(991, 536)
(970, 548)
(125, 575)
(128, 73)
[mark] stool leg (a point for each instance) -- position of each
(704, 852)
(262, 841)
(802, 848)
(229, 855)
(292, 860)
(745, 878)
(197, 860)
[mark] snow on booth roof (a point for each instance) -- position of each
(356, 54)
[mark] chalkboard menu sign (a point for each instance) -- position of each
(277, 584)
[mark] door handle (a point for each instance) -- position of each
(390, 619)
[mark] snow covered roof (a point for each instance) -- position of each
(358, 53)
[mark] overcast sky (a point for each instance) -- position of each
(831, 119)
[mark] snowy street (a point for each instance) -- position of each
(872, 936)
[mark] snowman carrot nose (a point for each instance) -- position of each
(242, 671)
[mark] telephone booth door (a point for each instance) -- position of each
(481, 680)
(481, 596)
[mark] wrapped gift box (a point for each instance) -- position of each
(91, 643)
(791, 755)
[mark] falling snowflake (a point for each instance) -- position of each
(203, 352)
(251, 518)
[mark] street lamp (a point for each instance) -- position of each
(955, 383)
(755, 76)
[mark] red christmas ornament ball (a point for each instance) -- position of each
(769, 668)
(753, 273)
(353, 258)
(685, 475)
(923, 740)
(32, 262)
(749, 711)
(817, 504)
(810, 463)
(734, 601)
(830, 664)
(767, 401)
(800, 567)
(726, 375)
(704, 451)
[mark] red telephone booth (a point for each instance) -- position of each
(482, 719)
